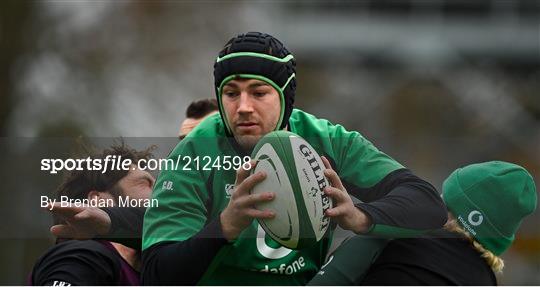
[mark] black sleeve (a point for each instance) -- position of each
(161, 261)
(402, 200)
(126, 225)
(76, 262)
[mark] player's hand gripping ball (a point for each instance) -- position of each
(295, 172)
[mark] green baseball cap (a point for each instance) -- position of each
(490, 200)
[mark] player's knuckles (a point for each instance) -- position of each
(336, 181)
(330, 174)
(261, 214)
(85, 215)
(265, 196)
(241, 175)
(258, 177)
(329, 190)
(234, 195)
(268, 214)
(241, 190)
(241, 202)
(252, 164)
(338, 191)
(335, 193)
(246, 200)
(253, 199)
(341, 210)
(253, 179)
(253, 213)
(326, 162)
(332, 212)
(236, 203)
(339, 184)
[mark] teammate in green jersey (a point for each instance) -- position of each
(203, 230)
(486, 203)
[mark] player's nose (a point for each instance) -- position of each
(245, 104)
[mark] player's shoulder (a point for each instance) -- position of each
(307, 125)
(74, 256)
(211, 126)
(81, 248)
(298, 114)
(301, 121)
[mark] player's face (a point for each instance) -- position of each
(189, 124)
(137, 184)
(252, 108)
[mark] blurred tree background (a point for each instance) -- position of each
(435, 84)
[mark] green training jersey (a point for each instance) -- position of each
(191, 196)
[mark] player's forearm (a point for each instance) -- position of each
(126, 225)
(411, 205)
(185, 262)
(363, 222)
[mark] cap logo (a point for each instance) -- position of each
(475, 221)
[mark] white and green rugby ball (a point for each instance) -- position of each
(294, 171)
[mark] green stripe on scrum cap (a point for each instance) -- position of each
(253, 54)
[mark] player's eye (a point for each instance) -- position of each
(229, 93)
(259, 93)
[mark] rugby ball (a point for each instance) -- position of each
(294, 171)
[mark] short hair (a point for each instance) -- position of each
(76, 184)
(201, 108)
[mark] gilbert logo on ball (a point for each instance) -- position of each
(295, 173)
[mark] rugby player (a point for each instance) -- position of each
(123, 225)
(95, 262)
(486, 204)
(196, 112)
(203, 230)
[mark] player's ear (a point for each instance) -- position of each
(100, 196)
(93, 194)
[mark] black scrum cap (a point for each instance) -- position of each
(259, 56)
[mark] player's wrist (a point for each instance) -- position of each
(103, 222)
(105, 228)
(227, 228)
(363, 222)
